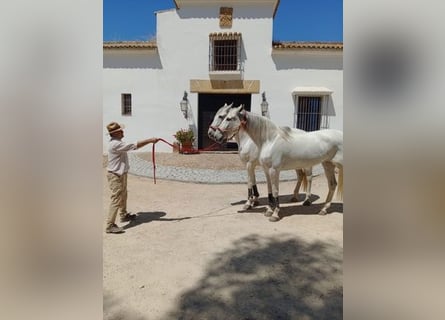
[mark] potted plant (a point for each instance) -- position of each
(185, 137)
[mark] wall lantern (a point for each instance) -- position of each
(264, 105)
(184, 104)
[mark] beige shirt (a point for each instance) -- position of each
(117, 156)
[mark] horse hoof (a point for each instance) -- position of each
(322, 213)
(306, 203)
(247, 207)
(274, 219)
(268, 213)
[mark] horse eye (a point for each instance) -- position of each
(221, 117)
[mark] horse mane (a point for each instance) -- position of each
(285, 132)
(265, 128)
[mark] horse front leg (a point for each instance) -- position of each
(252, 190)
(275, 180)
(270, 206)
(329, 169)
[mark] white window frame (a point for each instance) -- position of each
(313, 92)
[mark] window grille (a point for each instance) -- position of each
(311, 114)
(225, 52)
(126, 104)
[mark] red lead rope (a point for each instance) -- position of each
(153, 157)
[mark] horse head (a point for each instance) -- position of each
(217, 119)
(230, 124)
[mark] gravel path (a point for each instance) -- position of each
(211, 168)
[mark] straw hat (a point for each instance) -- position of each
(114, 127)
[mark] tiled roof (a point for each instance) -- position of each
(278, 45)
(130, 45)
(281, 45)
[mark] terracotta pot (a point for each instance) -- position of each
(186, 147)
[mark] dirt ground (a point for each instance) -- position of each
(192, 255)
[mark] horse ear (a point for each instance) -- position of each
(230, 105)
(241, 113)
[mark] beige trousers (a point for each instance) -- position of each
(118, 203)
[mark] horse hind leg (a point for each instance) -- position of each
(301, 177)
(340, 182)
(329, 169)
(307, 185)
(305, 178)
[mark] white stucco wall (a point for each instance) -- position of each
(157, 79)
(303, 69)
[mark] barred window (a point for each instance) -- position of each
(310, 114)
(126, 104)
(224, 52)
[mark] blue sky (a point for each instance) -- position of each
(295, 20)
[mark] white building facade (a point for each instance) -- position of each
(219, 52)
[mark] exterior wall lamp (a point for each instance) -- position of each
(264, 105)
(184, 105)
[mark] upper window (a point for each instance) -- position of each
(225, 52)
(126, 104)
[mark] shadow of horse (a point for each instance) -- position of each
(263, 201)
(291, 210)
(146, 217)
(313, 209)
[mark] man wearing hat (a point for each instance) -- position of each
(117, 175)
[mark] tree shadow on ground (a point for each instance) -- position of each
(268, 278)
(146, 217)
(113, 309)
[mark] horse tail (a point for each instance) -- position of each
(340, 183)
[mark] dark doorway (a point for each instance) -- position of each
(208, 104)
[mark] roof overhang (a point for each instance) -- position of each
(180, 3)
(280, 46)
(298, 91)
(225, 36)
(119, 45)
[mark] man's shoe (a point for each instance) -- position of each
(128, 217)
(114, 229)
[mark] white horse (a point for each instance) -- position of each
(283, 149)
(249, 155)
